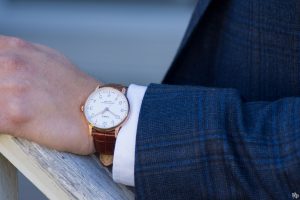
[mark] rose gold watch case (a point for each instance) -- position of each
(116, 128)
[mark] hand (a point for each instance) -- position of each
(40, 97)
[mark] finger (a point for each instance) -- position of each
(13, 113)
(11, 63)
(5, 125)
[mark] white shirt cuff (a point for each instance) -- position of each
(124, 155)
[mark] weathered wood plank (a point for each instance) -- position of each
(8, 180)
(62, 175)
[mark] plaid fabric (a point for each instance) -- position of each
(250, 45)
(236, 133)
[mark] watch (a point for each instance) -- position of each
(106, 111)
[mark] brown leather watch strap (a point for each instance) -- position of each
(104, 142)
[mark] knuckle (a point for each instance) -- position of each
(16, 113)
(12, 62)
(17, 42)
(5, 40)
(20, 87)
(16, 88)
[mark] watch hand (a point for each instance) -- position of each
(106, 109)
(101, 113)
(113, 113)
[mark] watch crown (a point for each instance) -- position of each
(82, 108)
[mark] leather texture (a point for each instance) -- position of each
(229, 125)
(104, 142)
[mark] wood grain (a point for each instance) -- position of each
(62, 175)
(8, 180)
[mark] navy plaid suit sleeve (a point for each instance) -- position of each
(206, 143)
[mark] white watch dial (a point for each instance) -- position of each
(106, 108)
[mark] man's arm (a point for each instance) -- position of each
(192, 142)
(206, 143)
(41, 93)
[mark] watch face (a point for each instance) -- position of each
(106, 108)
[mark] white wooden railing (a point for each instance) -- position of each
(60, 176)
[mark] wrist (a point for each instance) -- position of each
(85, 87)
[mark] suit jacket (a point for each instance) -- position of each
(225, 123)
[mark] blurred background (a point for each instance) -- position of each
(122, 41)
